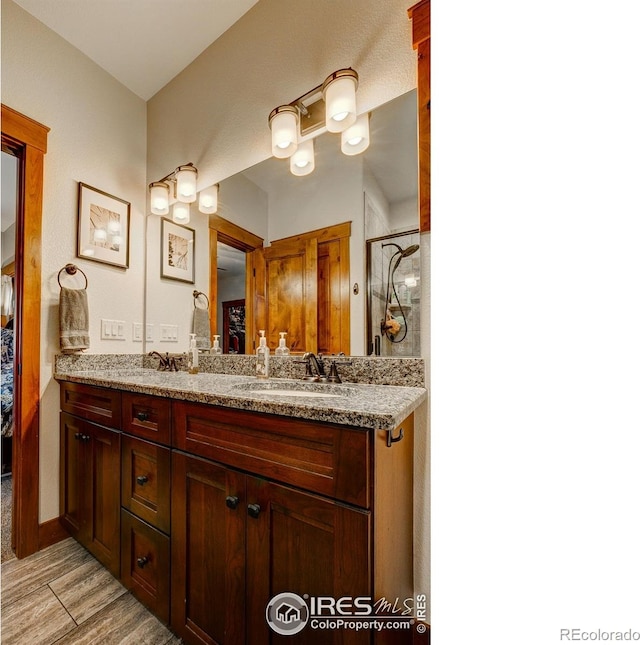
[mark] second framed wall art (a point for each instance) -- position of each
(178, 247)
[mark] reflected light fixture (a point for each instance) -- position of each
(208, 200)
(331, 107)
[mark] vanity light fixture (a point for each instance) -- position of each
(302, 161)
(339, 94)
(328, 107)
(181, 213)
(183, 179)
(208, 200)
(355, 139)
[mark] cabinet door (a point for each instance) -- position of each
(90, 491)
(207, 551)
(102, 481)
(71, 476)
(301, 543)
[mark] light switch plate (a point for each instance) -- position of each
(137, 332)
(149, 333)
(169, 333)
(111, 329)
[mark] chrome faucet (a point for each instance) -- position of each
(166, 364)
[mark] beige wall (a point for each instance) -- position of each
(98, 136)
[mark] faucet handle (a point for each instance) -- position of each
(334, 377)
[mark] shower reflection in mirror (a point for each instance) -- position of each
(393, 295)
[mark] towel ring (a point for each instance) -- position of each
(72, 269)
(196, 294)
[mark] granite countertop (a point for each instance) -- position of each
(368, 406)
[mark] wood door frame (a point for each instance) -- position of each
(222, 230)
(28, 139)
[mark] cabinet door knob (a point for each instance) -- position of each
(78, 435)
(142, 416)
(253, 510)
(142, 561)
(86, 437)
(142, 479)
(232, 501)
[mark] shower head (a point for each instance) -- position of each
(404, 253)
(410, 250)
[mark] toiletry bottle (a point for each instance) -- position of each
(282, 349)
(193, 355)
(216, 349)
(262, 357)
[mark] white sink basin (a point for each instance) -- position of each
(299, 389)
(301, 393)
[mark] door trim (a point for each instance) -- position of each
(29, 138)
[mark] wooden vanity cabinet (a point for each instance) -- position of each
(277, 504)
(146, 500)
(206, 513)
(90, 470)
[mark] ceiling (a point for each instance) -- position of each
(142, 43)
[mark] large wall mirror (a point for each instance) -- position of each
(353, 217)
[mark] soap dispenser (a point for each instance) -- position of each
(282, 349)
(216, 349)
(262, 357)
(193, 355)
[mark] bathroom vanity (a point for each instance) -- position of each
(208, 494)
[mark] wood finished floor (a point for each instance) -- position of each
(63, 595)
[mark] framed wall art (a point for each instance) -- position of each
(178, 247)
(103, 227)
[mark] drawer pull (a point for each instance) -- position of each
(82, 437)
(142, 561)
(253, 510)
(232, 501)
(142, 416)
(142, 479)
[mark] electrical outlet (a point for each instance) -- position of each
(111, 329)
(169, 333)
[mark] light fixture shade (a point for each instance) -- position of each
(181, 213)
(302, 162)
(283, 122)
(339, 92)
(355, 139)
(208, 201)
(159, 197)
(186, 184)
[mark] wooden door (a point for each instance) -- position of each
(207, 551)
(304, 544)
(334, 317)
(292, 293)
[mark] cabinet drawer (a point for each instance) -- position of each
(148, 417)
(320, 457)
(146, 564)
(146, 481)
(99, 404)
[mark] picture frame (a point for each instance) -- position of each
(103, 227)
(178, 248)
